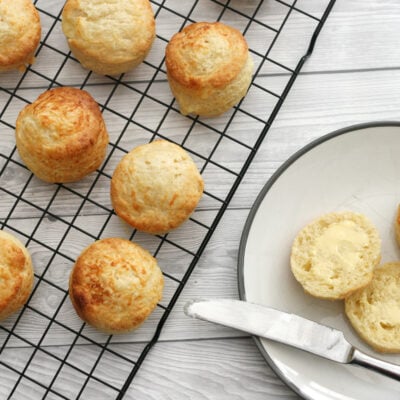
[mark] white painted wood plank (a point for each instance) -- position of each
(214, 369)
(223, 369)
(359, 35)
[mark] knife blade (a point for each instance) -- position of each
(290, 329)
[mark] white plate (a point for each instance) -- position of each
(356, 169)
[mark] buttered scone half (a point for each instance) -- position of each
(115, 285)
(109, 37)
(156, 187)
(374, 311)
(336, 254)
(209, 68)
(20, 32)
(16, 272)
(61, 136)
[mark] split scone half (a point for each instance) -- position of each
(335, 255)
(374, 311)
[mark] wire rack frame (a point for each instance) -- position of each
(57, 221)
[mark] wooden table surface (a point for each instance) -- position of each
(352, 77)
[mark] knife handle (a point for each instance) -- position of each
(386, 368)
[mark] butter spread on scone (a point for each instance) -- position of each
(335, 255)
(342, 241)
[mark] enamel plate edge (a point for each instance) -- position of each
(355, 168)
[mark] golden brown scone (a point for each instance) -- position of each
(16, 274)
(109, 37)
(61, 136)
(374, 311)
(115, 285)
(20, 32)
(156, 186)
(336, 254)
(209, 68)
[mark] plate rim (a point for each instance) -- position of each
(253, 211)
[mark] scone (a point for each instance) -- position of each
(209, 68)
(115, 284)
(16, 273)
(61, 136)
(109, 37)
(335, 255)
(20, 32)
(156, 186)
(374, 311)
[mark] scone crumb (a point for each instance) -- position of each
(374, 311)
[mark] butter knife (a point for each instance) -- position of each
(289, 329)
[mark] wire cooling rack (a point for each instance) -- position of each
(41, 350)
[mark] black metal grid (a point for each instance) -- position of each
(57, 221)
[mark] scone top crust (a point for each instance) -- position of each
(57, 118)
(16, 274)
(206, 54)
(156, 187)
(110, 31)
(62, 136)
(336, 254)
(20, 32)
(374, 311)
(115, 284)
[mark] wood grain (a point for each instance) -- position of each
(352, 77)
(224, 368)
